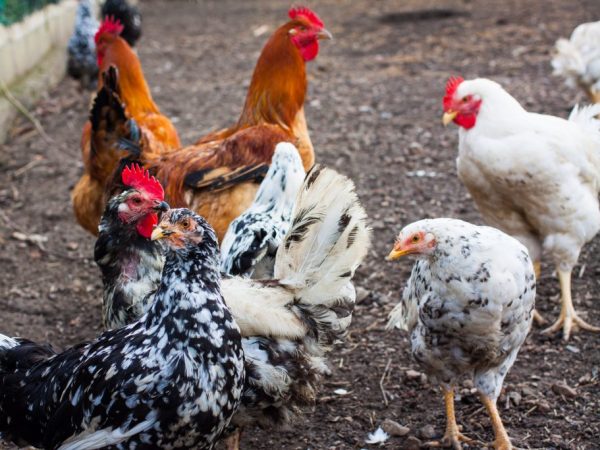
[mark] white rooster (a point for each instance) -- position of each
(534, 176)
(252, 239)
(468, 305)
(578, 59)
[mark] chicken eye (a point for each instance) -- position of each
(415, 238)
(185, 223)
(137, 200)
(465, 99)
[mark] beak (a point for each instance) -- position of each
(396, 253)
(162, 206)
(324, 34)
(449, 117)
(159, 233)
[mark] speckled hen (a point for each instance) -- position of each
(468, 306)
(290, 322)
(130, 262)
(535, 177)
(172, 379)
(251, 242)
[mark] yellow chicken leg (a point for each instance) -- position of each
(502, 442)
(568, 319)
(452, 437)
(537, 317)
(232, 442)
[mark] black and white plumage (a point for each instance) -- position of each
(291, 322)
(171, 379)
(252, 239)
(468, 306)
(129, 16)
(81, 49)
(130, 263)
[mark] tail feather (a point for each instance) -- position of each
(327, 241)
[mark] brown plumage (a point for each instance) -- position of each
(219, 175)
(122, 94)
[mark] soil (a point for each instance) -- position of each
(374, 111)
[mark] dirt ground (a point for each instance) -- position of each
(374, 111)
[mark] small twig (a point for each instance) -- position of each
(529, 411)
(477, 411)
(382, 380)
(26, 167)
(21, 108)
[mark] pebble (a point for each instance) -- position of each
(361, 294)
(412, 443)
(427, 432)
(412, 374)
(393, 428)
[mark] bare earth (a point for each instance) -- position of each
(374, 110)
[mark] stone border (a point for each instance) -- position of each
(33, 56)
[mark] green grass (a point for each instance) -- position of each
(12, 11)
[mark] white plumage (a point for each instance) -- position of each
(578, 59)
(252, 239)
(534, 176)
(468, 306)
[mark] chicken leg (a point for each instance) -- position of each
(568, 319)
(232, 442)
(502, 442)
(452, 437)
(537, 317)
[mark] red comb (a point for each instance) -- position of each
(109, 25)
(297, 12)
(451, 87)
(136, 177)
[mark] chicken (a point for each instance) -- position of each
(81, 49)
(536, 177)
(123, 106)
(128, 260)
(290, 322)
(578, 59)
(171, 379)
(218, 176)
(128, 15)
(252, 240)
(468, 307)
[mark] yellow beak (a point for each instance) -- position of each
(157, 233)
(448, 117)
(396, 253)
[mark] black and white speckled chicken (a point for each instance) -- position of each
(129, 16)
(81, 49)
(171, 379)
(252, 239)
(468, 306)
(129, 261)
(290, 322)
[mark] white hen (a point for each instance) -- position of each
(534, 176)
(578, 59)
(252, 239)
(468, 305)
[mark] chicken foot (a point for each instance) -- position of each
(452, 437)
(502, 442)
(568, 319)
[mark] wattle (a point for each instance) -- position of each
(147, 224)
(309, 48)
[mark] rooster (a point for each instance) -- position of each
(128, 15)
(534, 176)
(123, 106)
(252, 239)
(578, 59)
(468, 306)
(171, 379)
(289, 322)
(218, 176)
